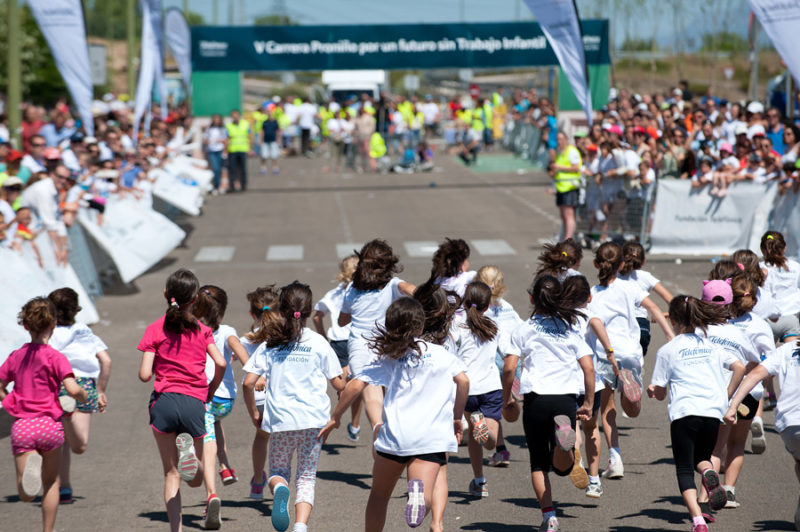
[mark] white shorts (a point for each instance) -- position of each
(791, 440)
(270, 150)
(359, 355)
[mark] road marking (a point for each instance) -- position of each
(348, 232)
(493, 248)
(347, 248)
(282, 253)
(424, 248)
(215, 254)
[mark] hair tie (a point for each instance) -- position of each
(746, 294)
(173, 303)
(770, 237)
(564, 253)
(473, 306)
(206, 291)
(686, 299)
(297, 315)
(265, 307)
(740, 265)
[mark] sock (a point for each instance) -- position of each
(547, 513)
(300, 527)
(480, 480)
(698, 520)
(501, 448)
(594, 480)
(758, 419)
(613, 454)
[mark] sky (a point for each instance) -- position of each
(634, 18)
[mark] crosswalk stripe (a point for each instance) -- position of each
(281, 253)
(492, 248)
(215, 254)
(424, 248)
(347, 248)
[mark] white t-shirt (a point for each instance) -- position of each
(504, 316)
(227, 388)
(331, 303)
(80, 345)
(615, 305)
(479, 358)
(367, 308)
(307, 113)
(766, 307)
(418, 407)
(646, 281)
(785, 364)
(785, 285)
(549, 350)
(430, 111)
(563, 275)
(8, 214)
(692, 368)
(297, 382)
(253, 364)
(731, 338)
(587, 334)
(457, 283)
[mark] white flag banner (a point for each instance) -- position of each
(61, 22)
(156, 19)
(179, 39)
(781, 20)
(147, 66)
(560, 24)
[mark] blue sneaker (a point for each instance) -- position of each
(353, 432)
(280, 508)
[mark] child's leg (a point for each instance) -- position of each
(222, 448)
(76, 431)
(494, 427)
(172, 481)
(683, 433)
(609, 412)
(306, 477)
(734, 459)
(50, 464)
(541, 486)
(385, 473)
(717, 456)
(440, 494)
(592, 437)
(355, 412)
(210, 452)
(475, 450)
(373, 404)
(281, 448)
(19, 461)
(259, 454)
(427, 472)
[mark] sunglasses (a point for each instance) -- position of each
(37, 145)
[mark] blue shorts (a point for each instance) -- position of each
(216, 410)
(489, 404)
(173, 413)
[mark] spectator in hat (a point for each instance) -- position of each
(52, 157)
(14, 167)
(34, 159)
(56, 131)
(43, 199)
(774, 129)
(69, 155)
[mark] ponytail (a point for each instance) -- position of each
(180, 293)
(575, 291)
(66, 303)
(744, 295)
(477, 297)
(724, 270)
(405, 321)
(212, 301)
(264, 307)
(773, 247)
(553, 260)
(691, 313)
(438, 313)
(749, 264)
(493, 277)
(294, 307)
(632, 257)
(548, 300)
(608, 260)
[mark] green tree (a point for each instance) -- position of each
(274, 20)
(194, 19)
(637, 45)
(107, 19)
(724, 41)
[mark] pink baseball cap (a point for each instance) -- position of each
(718, 292)
(615, 129)
(726, 146)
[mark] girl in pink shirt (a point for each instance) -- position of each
(38, 371)
(174, 349)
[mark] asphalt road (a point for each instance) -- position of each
(118, 482)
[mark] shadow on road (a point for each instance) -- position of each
(189, 521)
(333, 448)
(353, 479)
(659, 514)
(497, 527)
(773, 525)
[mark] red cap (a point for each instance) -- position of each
(13, 155)
(640, 129)
(591, 147)
(51, 153)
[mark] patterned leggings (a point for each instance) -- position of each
(281, 448)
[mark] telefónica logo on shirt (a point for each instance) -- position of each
(697, 352)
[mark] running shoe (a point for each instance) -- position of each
(67, 403)
(211, 513)
(700, 528)
(353, 432)
(565, 434)
(630, 388)
(615, 469)
(257, 488)
(478, 489)
(730, 493)
(480, 430)
(594, 491)
(65, 495)
(770, 402)
(500, 459)
(706, 512)
(32, 475)
(415, 507)
(280, 508)
(187, 459)
(758, 443)
(715, 491)
(549, 525)
(228, 476)
(578, 476)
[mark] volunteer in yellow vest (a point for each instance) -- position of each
(377, 149)
(566, 172)
(240, 138)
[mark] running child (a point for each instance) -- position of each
(210, 307)
(615, 302)
(37, 371)
(174, 350)
(263, 310)
(692, 368)
(91, 365)
(373, 289)
(633, 260)
(479, 339)
(549, 387)
(331, 303)
(783, 280)
(298, 364)
(450, 268)
(747, 261)
(422, 412)
(560, 260)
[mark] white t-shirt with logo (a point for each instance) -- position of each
(331, 303)
(418, 407)
(367, 308)
(479, 356)
(549, 350)
(692, 368)
(646, 281)
(615, 305)
(227, 388)
(297, 382)
(784, 284)
(457, 283)
(80, 345)
(785, 365)
(766, 307)
(504, 316)
(760, 335)
(252, 364)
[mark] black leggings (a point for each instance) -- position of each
(644, 334)
(538, 412)
(693, 440)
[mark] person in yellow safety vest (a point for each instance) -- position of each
(240, 139)
(484, 113)
(416, 120)
(377, 150)
(258, 118)
(566, 172)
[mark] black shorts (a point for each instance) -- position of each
(176, 413)
(436, 458)
(538, 412)
(595, 404)
(489, 404)
(567, 199)
(340, 348)
(750, 402)
(644, 334)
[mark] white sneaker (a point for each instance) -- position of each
(67, 403)
(187, 459)
(594, 491)
(551, 525)
(614, 470)
(758, 443)
(32, 475)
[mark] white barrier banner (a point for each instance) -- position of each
(781, 19)
(183, 193)
(179, 39)
(133, 237)
(785, 218)
(690, 221)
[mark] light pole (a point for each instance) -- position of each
(14, 96)
(130, 19)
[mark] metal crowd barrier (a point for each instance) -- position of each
(80, 257)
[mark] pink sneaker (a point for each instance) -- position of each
(700, 528)
(256, 488)
(565, 434)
